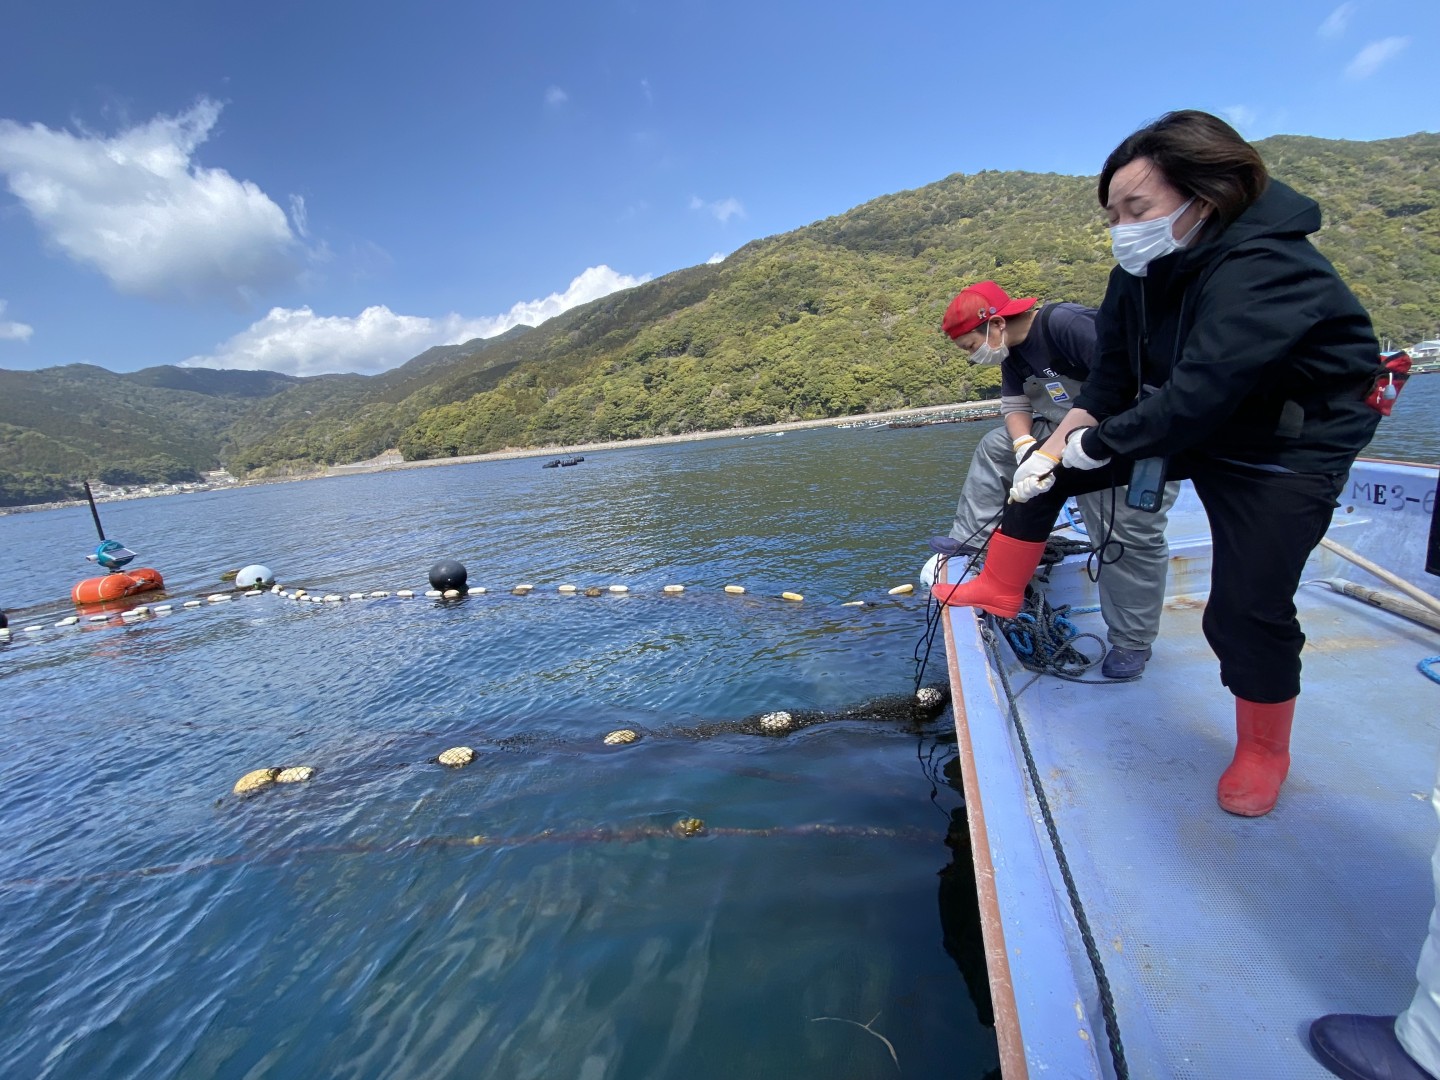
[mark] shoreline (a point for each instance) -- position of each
(385, 463)
(381, 465)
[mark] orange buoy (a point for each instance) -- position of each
(116, 586)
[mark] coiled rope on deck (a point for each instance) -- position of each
(990, 634)
(1044, 639)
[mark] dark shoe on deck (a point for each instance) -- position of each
(1363, 1048)
(1124, 663)
(949, 546)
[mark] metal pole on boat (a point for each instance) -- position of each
(90, 498)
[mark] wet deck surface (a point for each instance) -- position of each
(1223, 937)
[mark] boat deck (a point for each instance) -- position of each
(1221, 937)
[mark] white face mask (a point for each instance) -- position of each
(985, 355)
(1137, 246)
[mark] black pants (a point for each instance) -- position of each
(1263, 527)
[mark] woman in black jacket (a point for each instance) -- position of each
(1230, 346)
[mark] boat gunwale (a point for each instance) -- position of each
(1017, 875)
(1013, 1064)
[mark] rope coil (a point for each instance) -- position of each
(1044, 639)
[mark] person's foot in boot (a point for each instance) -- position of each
(1000, 588)
(1363, 1048)
(1250, 787)
(1124, 663)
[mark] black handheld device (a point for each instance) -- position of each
(1147, 484)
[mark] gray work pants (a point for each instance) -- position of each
(1132, 590)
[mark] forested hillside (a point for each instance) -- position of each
(838, 317)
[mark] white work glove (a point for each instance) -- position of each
(1022, 447)
(1075, 456)
(1035, 474)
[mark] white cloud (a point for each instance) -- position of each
(645, 87)
(1374, 56)
(300, 216)
(718, 257)
(296, 341)
(13, 331)
(1241, 117)
(137, 208)
(555, 97)
(722, 209)
(1336, 22)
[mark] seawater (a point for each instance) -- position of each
(155, 925)
(533, 914)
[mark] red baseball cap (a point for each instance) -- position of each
(980, 303)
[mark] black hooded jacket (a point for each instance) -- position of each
(1259, 351)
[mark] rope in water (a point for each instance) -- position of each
(990, 635)
(685, 828)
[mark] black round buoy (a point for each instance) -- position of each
(448, 574)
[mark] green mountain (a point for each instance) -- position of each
(836, 318)
(159, 424)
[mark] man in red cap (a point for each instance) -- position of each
(1044, 356)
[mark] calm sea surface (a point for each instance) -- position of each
(533, 914)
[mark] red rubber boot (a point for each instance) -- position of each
(1000, 588)
(1251, 785)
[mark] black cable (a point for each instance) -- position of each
(934, 610)
(1096, 561)
(934, 613)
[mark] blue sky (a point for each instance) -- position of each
(336, 187)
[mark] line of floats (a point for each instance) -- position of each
(448, 580)
(926, 703)
(102, 598)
